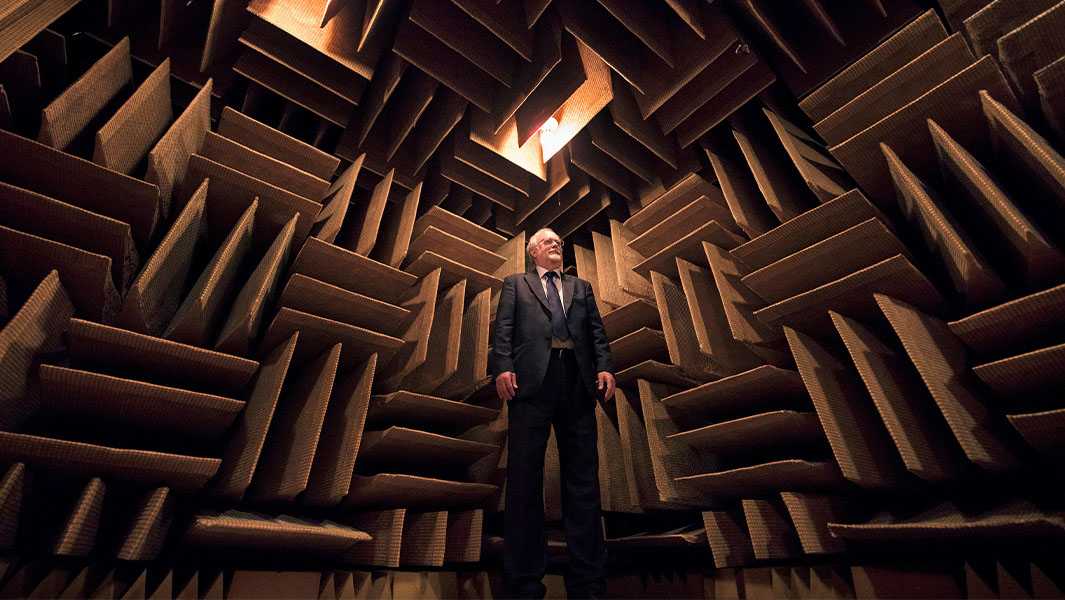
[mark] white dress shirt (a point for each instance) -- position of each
(558, 284)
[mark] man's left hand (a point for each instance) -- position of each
(606, 384)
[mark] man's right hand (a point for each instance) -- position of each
(507, 385)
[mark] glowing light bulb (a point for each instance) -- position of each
(549, 125)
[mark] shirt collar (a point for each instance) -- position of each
(540, 272)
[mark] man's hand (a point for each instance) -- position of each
(507, 385)
(606, 384)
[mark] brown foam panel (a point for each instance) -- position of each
(30, 212)
(445, 335)
(294, 86)
(386, 530)
(773, 173)
(240, 456)
(426, 413)
(1025, 375)
(33, 332)
(1012, 327)
(680, 223)
(741, 304)
(852, 295)
(280, 46)
(763, 430)
(463, 536)
(363, 219)
(813, 226)
(31, 165)
(86, 276)
(231, 192)
(1029, 47)
(859, 440)
(411, 491)
(155, 295)
(179, 472)
(823, 175)
(972, 277)
(457, 248)
(639, 346)
(617, 493)
(710, 321)
(946, 521)
(940, 358)
(196, 318)
(954, 104)
(636, 453)
(811, 514)
(264, 167)
(397, 225)
(245, 316)
(288, 453)
(626, 319)
(452, 272)
(763, 387)
(1022, 241)
(920, 434)
(860, 246)
(897, 89)
(127, 137)
(309, 295)
(77, 535)
(472, 370)
(340, 438)
(414, 331)
(335, 203)
(168, 159)
(1027, 155)
(1041, 430)
(246, 131)
(671, 459)
(401, 447)
(144, 537)
(679, 330)
(789, 474)
(16, 490)
(65, 118)
(772, 534)
(726, 531)
(235, 530)
(343, 268)
(669, 202)
(689, 248)
(745, 200)
(424, 539)
(319, 334)
(92, 398)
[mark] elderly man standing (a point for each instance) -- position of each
(551, 361)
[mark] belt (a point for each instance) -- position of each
(561, 353)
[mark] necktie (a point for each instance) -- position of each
(558, 318)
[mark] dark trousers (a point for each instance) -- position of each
(563, 402)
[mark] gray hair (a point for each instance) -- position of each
(533, 241)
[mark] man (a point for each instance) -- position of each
(551, 361)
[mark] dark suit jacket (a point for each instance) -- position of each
(523, 332)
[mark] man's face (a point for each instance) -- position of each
(548, 252)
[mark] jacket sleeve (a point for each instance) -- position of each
(502, 348)
(597, 334)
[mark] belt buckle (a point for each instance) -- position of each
(559, 350)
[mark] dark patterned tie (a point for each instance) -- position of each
(558, 318)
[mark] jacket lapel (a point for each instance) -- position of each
(537, 288)
(567, 292)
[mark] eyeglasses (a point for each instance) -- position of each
(549, 242)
